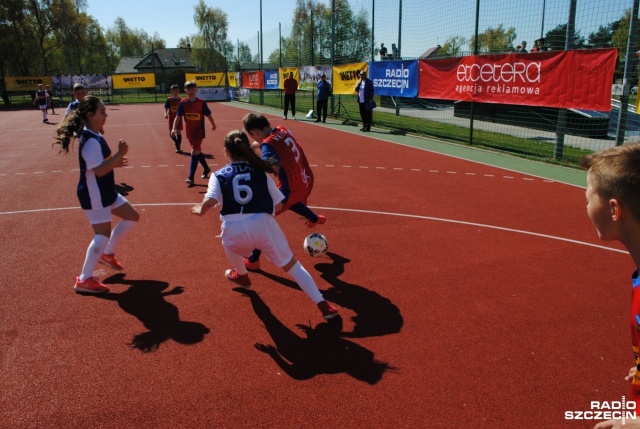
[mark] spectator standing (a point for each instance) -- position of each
(290, 88)
(365, 91)
(324, 91)
(383, 52)
(523, 47)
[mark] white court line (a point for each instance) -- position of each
(410, 216)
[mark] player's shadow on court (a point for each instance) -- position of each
(320, 351)
(375, 314)
(144, 299)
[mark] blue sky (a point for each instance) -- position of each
(173, 20)
(424, 23)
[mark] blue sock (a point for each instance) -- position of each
(255, 255)
(193, 166)
(304, 211)
(203, 161)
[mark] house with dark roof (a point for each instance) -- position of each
(169, 66)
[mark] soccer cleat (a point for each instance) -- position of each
(111, 262)
(328, 310)
(242, 280)
(252, 266)
(178, 150)
(90, 285)
(321, 219)
(189, 181)
(205, 174)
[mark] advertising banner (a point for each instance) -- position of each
(253, 80)
(96, 84)
(212, 94)
(27, 83)
(395, 78)
(579, 79)
(284, 73)
(134, 81)
(310, 76)
(271, 80)
(346, 77)
(206, 79)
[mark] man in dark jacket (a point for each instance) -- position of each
(365, 100)
(322, 100)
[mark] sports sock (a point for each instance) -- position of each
(237, 261)
(94, 251)
(193, 166)
(179, 141)
(255, 255)
(306, 283)
(203, 161)
(119, 231)
(304, 211)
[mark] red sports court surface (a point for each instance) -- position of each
(470, 296)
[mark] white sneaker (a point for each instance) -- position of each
(294, 118)
(285, 118)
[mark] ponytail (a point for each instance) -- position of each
(68, 131)
(237, 144)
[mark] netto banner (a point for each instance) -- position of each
(134, 81)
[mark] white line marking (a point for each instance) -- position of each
(410, 216)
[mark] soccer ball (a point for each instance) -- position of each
(316, 244)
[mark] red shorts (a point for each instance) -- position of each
(196, 144)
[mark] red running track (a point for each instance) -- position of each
(470, 296)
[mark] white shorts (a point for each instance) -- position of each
(259, 231)
(103, 215)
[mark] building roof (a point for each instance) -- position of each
(158, 59)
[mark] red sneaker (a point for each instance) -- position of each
(233, 276)
(252, 266)
(320, 221)
(111, 262)
(328, 310)
(90, 285)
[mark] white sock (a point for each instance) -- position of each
(94, 251)
(306, 283)
(119, 231)
(237, 261)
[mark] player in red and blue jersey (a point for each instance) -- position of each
(295, 178)
(248, 198)
(170, 110)
(42, 98)
(613, 205)
(194, 110)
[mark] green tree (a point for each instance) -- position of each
(452, 47)
(310, 41)
(556, 38)
(603, 36)
(210, 42)
(494, 40)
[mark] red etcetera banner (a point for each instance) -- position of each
(253, 79)
(579, 79)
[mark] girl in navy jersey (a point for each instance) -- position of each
(248, 198)
(96, 189)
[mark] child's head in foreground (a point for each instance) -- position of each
(613, 189)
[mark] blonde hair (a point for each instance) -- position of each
(615, 173)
